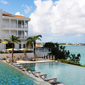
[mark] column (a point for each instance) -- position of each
(9, 23)
(17, 33)
(24, 33)
(9, 32)
(17, 23)
(24, 24)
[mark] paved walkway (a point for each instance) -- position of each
(38, 60)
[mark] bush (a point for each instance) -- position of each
(70, 62)
(1, 52)
(83, 65)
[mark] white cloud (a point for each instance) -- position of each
(27, 8)
(18, 13)
(78, 35)
(4, 2)
(63, 17)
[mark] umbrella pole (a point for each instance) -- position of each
(12, 52)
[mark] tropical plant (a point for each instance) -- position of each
(13, 39)
(32, 40)
(60, 53)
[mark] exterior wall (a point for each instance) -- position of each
(17, 55)
(0, 22)
(5, 23)
(5, 34)
(13, 23)
(14, 33)
(2, 46)
(41, 54)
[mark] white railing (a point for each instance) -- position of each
(22, 36)
(14, 26)
(20, 26)
(6, 37)
(5, 25)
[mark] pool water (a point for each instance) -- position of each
(65, 73)
(10, 76)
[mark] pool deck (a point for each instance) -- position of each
(38, 61)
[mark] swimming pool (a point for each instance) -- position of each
(65, 73)
(10, 76)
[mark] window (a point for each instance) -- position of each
(19, 46)
(23, 45)
(9, 45)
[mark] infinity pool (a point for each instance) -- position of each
(65, 73)
(10, 76)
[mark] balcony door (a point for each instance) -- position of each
(20, 24)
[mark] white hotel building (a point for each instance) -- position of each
(16, 25)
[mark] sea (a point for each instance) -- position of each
(76, 49)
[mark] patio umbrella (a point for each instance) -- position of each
(11, 49)
(4, 43)
(25, 49)
(19, 43)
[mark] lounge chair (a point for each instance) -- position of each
(40, 75)
(17, 65)
(48, 79)
(33, 72)
(44, 77)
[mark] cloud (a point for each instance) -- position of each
(4, 2)
(27, 8)
(59, 18)
(78, 35)
(18, 13)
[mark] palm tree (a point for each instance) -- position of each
(32, 40)
(0, 40)
(13, 39)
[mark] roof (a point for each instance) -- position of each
(20, 16)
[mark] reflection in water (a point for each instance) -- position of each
(30, 66)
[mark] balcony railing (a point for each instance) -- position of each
(14, 26)
(20, 37)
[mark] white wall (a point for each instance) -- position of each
(17, 55)
(5, 22)
(0, 22)
(5, 34)
(14, 33)
(14, 23)
(41, 54)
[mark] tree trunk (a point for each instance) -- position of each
(12, 52)
(34, 50)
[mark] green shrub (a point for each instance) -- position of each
(62, 60)
(83, 65)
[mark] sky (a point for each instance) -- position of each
(61, 21)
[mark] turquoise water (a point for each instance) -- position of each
(76, 50)
(9, 76)
(65, 73)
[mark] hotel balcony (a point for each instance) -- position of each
(21, 37)
(14, 27)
